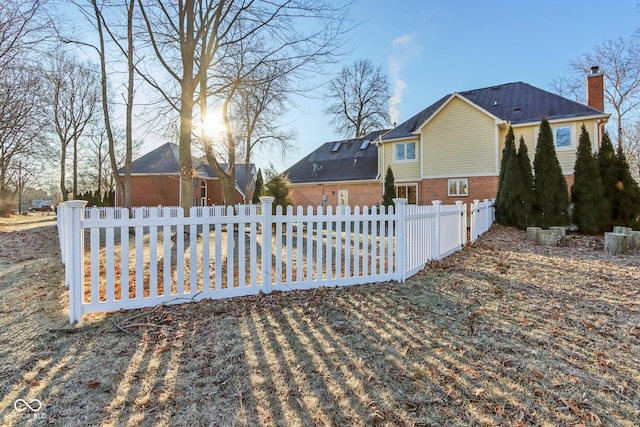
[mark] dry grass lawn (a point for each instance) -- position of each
(501, 333)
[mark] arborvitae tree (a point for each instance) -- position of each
(259, 188)
(551, 197)
(506, 198)
(607, 164)
(524, 210)
(389, 189)
(589, 205)
(279, 187)
(628, 194)
(508, 151)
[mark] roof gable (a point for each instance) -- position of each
(448, 101)
(162, 160)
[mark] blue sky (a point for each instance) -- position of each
(430, 48)
(434, 47)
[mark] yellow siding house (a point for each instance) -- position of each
(451, 150)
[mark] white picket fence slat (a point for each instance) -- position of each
(157, 255)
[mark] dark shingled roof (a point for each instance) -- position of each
(512, 102)
(347, 163)
(164, 161)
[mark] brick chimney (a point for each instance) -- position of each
(595, 89)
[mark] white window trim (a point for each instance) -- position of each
(457, 180)
(407, 184)
(554, 127)
(405, 160)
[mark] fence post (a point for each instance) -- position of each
(267, 202)
(74, 235)
(487, 216)
(462, 223)
(402, 239)
(475, 218)
(436, 232)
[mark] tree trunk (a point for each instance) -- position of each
(622, 230)
(188, 88)
(616, 243)
(560, 231)
(547, 237)
(186, 166)
(63, 176)
(634, 240)
(75, 168)
(532, 233)
(129, 119)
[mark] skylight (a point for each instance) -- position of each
(365, 144)
(336, 146)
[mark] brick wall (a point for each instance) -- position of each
(359, 194)
(481, 187)
(484, 187)
(154, 190)
(569, 179)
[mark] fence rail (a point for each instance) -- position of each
(116, 259)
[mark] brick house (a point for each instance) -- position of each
(452, 149)
(155, 180)
(338, 173)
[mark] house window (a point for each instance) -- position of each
(409, 192)
(458, 187)
(562, 137)
(405, 151)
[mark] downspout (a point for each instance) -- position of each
(601, 124)
(383, 172)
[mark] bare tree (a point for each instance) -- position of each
(632, 148)
(257, 109)
(256, 94)
(76, 95)
(21, 125)
(193, 40)
(358, 99)
(22, 26)
(122, 36)
(620, 61)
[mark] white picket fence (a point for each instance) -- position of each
(114, 260)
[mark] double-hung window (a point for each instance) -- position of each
(562, 137)
(405, 152)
